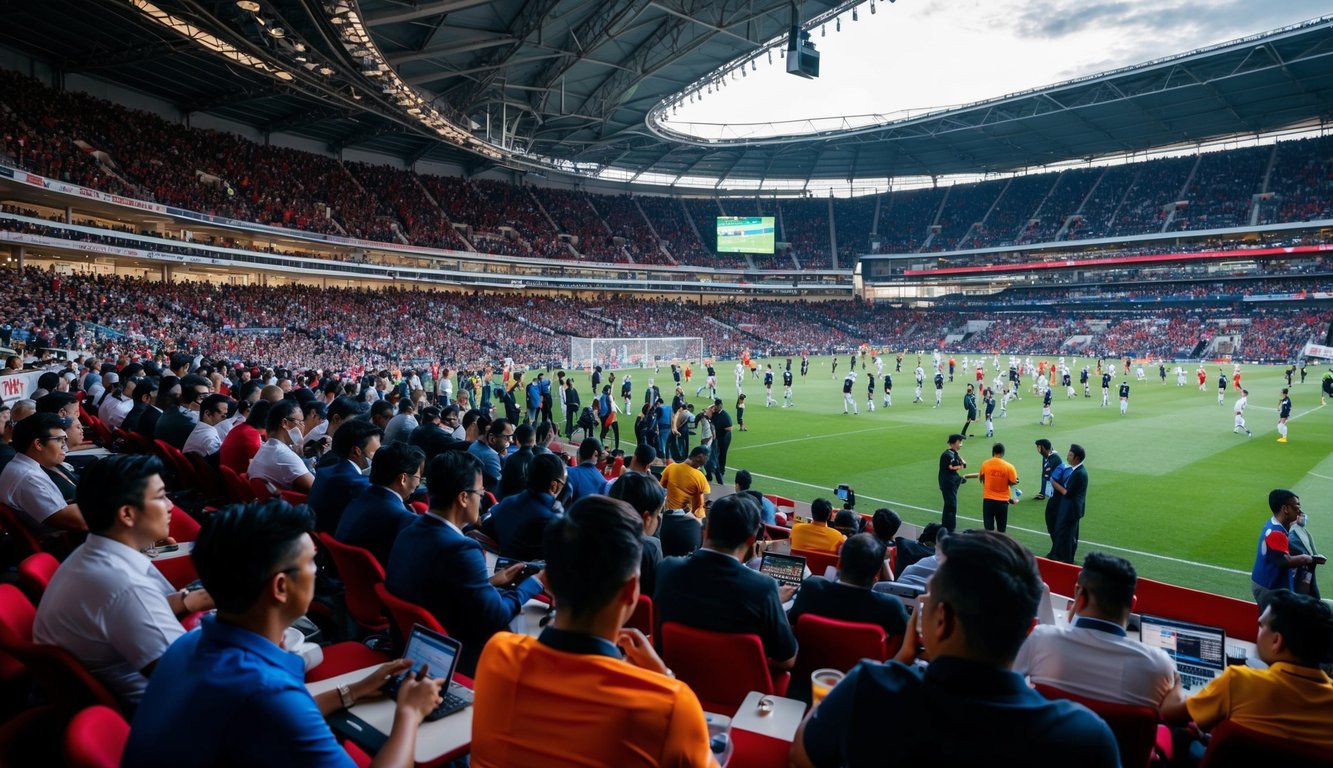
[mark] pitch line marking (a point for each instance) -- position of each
(1025, 530)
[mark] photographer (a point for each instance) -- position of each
(950, 462)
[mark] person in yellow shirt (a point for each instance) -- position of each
(1293, 698)
(817, 536)
(997, 477)
(568, 697)
(686, 486)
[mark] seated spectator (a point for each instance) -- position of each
(39, 443)
(514, 473)
(979, 607)
(918, 573)
(276, 462)
(204, 439)
(681, 532)
(616, 700)
(847, 522)
(116, 404)
(860, 565)
(107, 604)
(176, 424)
(168, 397)
(430, 436)
(1092, 657)
(343, 478)
(744, 479)
(374, 518)
(585, 479)
(401, 426)
(314, 432)
(243, 441)
(686, 486)
(435, 566)
(491, 450)
(712, 589)
(517, 521)
(647, 497)
(910, 552)
(1293, 698)
(818, 535)
(229, 694)
(342, 410)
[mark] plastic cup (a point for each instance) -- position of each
(821, 682)
(1237, 656)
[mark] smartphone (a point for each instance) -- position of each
(1320, 559)
(162, 549)
(531, 569)
(842, 491)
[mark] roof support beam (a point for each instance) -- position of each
(440, 51)
(421, 11)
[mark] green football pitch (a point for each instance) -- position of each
(755, 243)
(1171, 487)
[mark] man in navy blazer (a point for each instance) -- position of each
(518, 522)
(374, 519)
(340, 481)
(435, 566)
(1074, 493)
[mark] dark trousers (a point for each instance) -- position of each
(710, 466)
(1064, 541)
(949, 518)
(614, 427)
(995, 514)
(1052, 517)
(571, 414)
(723, 444)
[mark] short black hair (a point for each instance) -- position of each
(997, 449)
(242, 546)
(188, 386)
(544, 469)
(381, 408)
(860, 559)
(430, 414)
(212, 402)
(732, 521)
(644, 454)
(1305, 623)
(393, 460)
(53, 402)
(591, 551)
(406, 405)
(356, 433)
(1043, 443)
(318, 408)
(992, 585)
(699, 450)
(497, 427)
(258, 417)
(886, 523)
(1110, 580)
(344, 407)
(589, 448)
(821, 510)
(164, 397)
(248, 389)
(1078, 451)
(280, 412)
(640, 491)
(743, 477)
(954, 438)
(1278, 498)
(111, 483)
(36, 426)
(524, 434)
(846, 518)
(448, 475)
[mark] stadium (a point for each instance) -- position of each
(420, 205)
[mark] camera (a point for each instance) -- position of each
(847, 495)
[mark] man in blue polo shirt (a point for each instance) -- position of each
(1274, 565)
(968, 707)
(229, 694)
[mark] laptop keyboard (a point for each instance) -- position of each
(1192, 676)
(452, 700)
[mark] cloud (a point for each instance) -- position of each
(1156, 23)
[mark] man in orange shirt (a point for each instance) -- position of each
(567, 693)
(686, 486)
(997, 477)
(817, 536)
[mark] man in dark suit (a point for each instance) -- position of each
(168, 397)
(860, 563)
(176, 424)
(145, 391)
(435, 566)
(1073, 492)
(517, 522)
(713, 590)
(341, 480)
(430, 437)
(373, 519)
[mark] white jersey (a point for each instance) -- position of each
(1240, 405)
(879, 366)
(920, 374)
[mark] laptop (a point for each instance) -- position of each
(424, 646)
(1198, 650)
(787, 569)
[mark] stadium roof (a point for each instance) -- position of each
(572, 84)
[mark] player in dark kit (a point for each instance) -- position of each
(1083, 379)
(888, 390)
(970, 406)
(805, 365)
(1283, 413)
(939, 389)
(786, 389)
(870, 392)
(848, 399)
(768, 387)
(1106, 389)
(1124, 397)
(1221, 387)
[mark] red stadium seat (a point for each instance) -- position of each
(63, 680)
(720, 667)
(1135, 728)
(360, 573)
(238, 486)
(406, 614)
(95, 738)
(832, 644)
(643, 618)
(817, 562)
(1235, 746)
(35, 574)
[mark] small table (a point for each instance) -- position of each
(444, 739)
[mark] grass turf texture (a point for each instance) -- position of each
(1170, 487)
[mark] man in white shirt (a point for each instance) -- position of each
(277, 462)
(1243, 401)
(115, 405)
(205, 439)
(107, 604)
(40, 442)
(1092, 656)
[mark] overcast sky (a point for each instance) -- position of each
(921, 55)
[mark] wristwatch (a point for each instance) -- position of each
(345, 693)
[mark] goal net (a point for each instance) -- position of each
(633, 352)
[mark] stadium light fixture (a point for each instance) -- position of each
(837, 24)
(248, 5)
(823, 30)
(872, 7)
(854, 16)
(277, 32)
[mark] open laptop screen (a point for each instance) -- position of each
(1187, 643)
(787, 569)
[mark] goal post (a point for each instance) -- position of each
(636, 352)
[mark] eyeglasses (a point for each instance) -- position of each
(64, 440)
(478, 491)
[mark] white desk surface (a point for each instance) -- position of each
(186, 547)
(448, 735)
